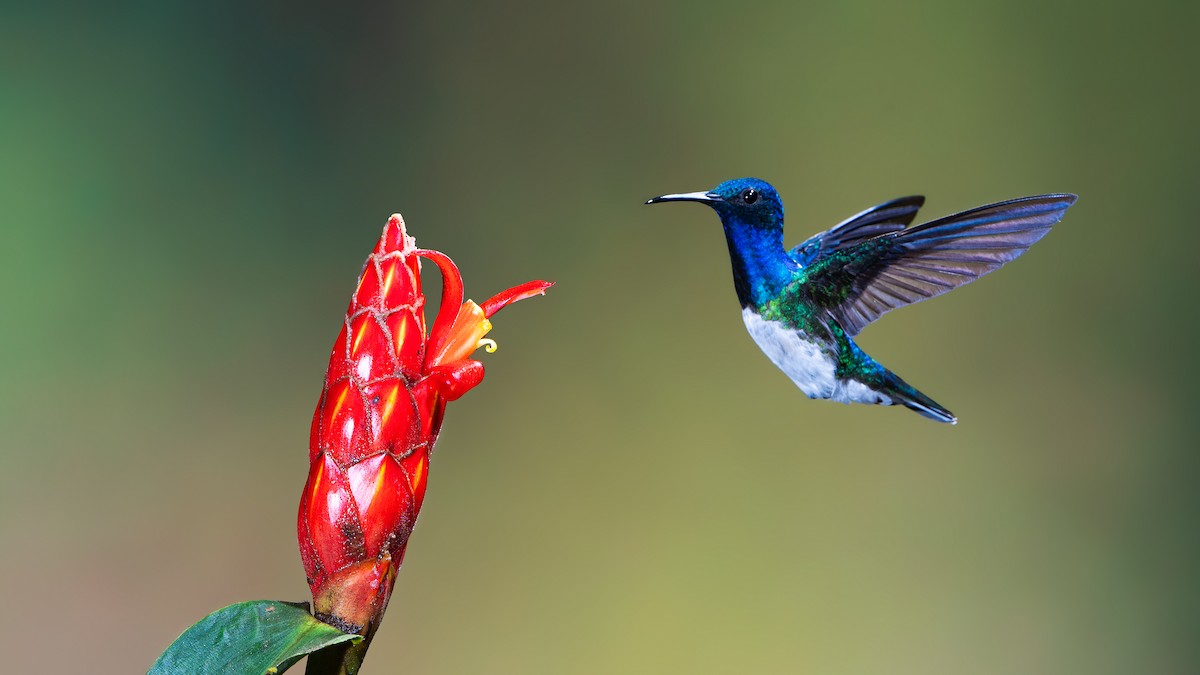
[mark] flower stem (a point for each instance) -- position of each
(344, 658)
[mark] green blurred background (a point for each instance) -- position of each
(188, 193)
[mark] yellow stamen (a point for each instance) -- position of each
(489, 345)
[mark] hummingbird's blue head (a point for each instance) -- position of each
(752, 216)
(741, 202)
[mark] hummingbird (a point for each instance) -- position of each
(804, 306)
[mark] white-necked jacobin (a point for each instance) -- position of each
(804, 306)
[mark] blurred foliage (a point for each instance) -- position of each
(190, 189)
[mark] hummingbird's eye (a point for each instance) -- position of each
(749, 195)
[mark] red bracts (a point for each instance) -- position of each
(377, 420)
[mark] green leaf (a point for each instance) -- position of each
(250, 638)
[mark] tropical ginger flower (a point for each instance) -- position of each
(377, 420)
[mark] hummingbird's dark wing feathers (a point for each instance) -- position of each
(875, 221)
(907, 266)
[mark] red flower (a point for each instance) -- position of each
(377, 420)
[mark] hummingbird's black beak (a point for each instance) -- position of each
(704, 197)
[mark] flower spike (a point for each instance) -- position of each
(377, 420)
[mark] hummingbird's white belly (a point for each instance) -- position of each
(805, 362)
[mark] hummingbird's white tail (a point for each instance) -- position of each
(907, 395)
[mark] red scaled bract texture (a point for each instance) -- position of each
(379, 414)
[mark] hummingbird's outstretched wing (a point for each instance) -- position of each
(882, 219)
(861, 283)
